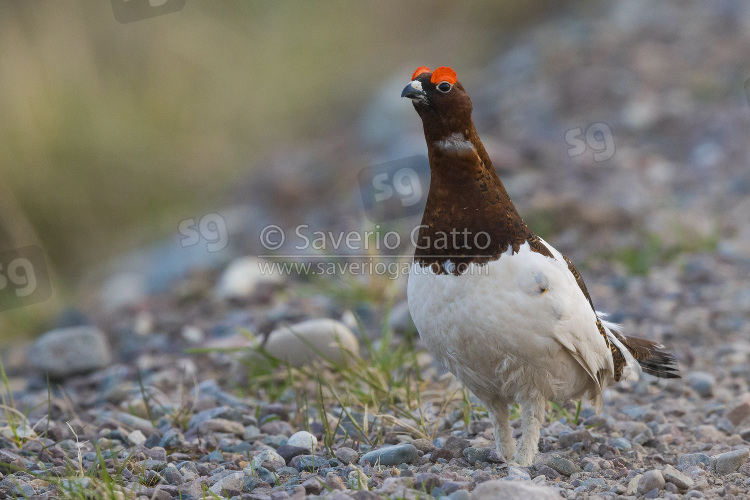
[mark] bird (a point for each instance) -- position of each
(498, 306)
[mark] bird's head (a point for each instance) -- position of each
(440, 100)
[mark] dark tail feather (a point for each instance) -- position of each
(653, 357)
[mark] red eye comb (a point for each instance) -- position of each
(420, 70)
(443, 74)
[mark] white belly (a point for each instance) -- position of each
(503, 338)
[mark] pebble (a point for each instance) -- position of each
(136, 438)
(739, 414)
(455, 445)
(289, 452)
(693, 459)
(729, 462)
(513, 490)
(621, 444)
(309, 463)
(312, 340)
(562, 465)
(233, 482)
(650, 480)
(391, 455)
(568, 439)
(672, 475)
(242, 277)
(548, 472)
(702, 382)
(69, 351)
(347, 455)
(517, 474)
(592, 483)
(474, 455)
(221, 425)
(303, 439)
(267, 456)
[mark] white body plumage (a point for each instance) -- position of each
(518, 329)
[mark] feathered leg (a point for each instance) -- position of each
(504, 442)
(532, 418)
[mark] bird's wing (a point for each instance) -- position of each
(577, 325)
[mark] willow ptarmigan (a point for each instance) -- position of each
(503, 310)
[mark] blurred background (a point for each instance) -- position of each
(620, 130)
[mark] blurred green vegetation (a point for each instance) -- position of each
(112, 133)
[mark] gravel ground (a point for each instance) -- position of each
(155, 384)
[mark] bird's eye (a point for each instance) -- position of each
(444, 87)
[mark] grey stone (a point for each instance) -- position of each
(347, 455)
(517, 474)
(650, 480)
(474, 455)
(69, 351)
(513, 490)
(278, 440)
(728, 462)
(548, 472)
(267, 456)
(702, 382)
(644, 437)
(725, 425)
(568, 439)
(222, 425)
(250, 484)
(455, 445)
(391, 455)
(309, 463)
(423, 445)
(426, 481)
(313, 485)
(621, 444)
(173, 438)
(693, 459)
(251, 433)
(594, 482)
(562, 465)
(231, 483)
(460, 495)
(672, 475)
(289, 452)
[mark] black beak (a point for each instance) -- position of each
(414, 92)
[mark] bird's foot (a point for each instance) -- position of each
(524, 456)
(505, 447)
(498, 457)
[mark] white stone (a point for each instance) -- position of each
(311, 340)
(303, 439)
(136, 438)
(241, 278)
